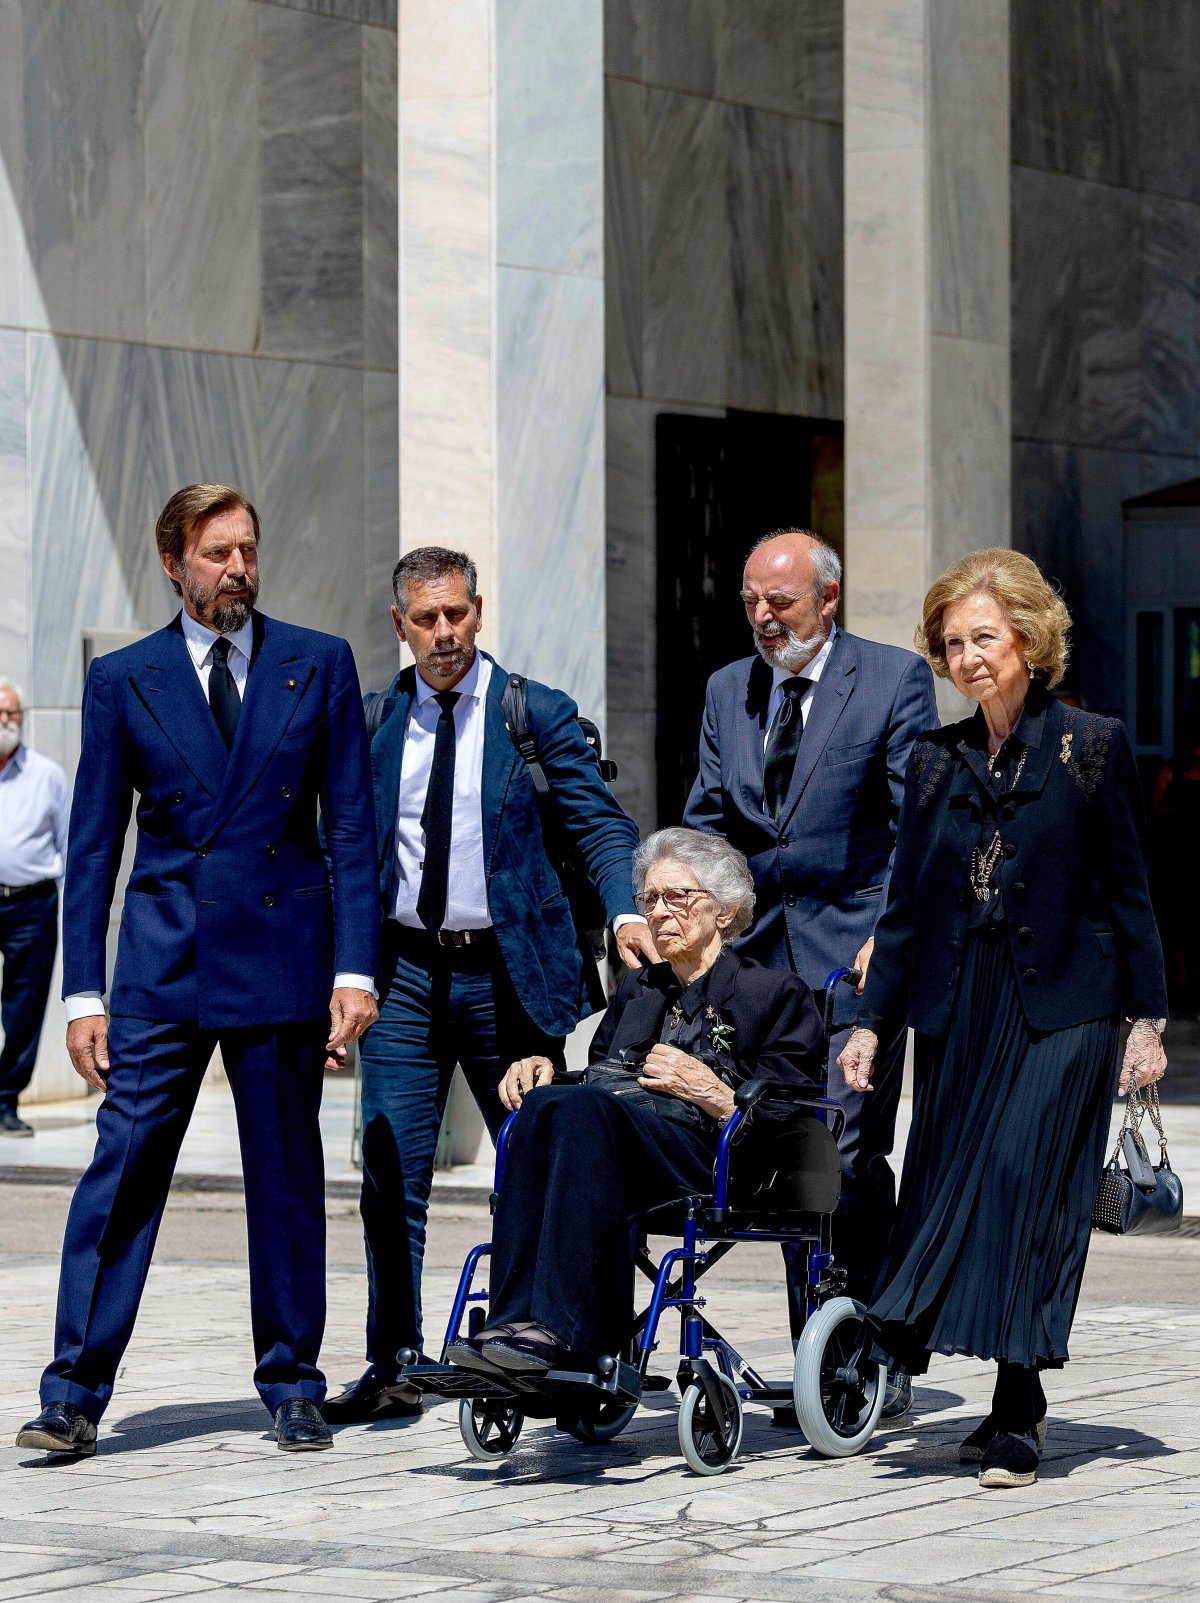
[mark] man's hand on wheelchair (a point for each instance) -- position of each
(857, 1058)
(862, 963)
(634, 942)
(674, 1073)
(522, 1077)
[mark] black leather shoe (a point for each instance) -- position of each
(12, 1124)
(299, 1427)
(898, 1397)
(60, 1428)
(374, 1395)
(972, 1449)
(1009, 1461)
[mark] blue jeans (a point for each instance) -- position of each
(438, 1007)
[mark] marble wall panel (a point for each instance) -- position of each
(312, 496)
(1047, 64)
(969, 440)
(381, 524)
(550, 135)
(1047, 220)
(1106, 479)
(1168, 105)
(311, 179)
(681, 43)
(445, 49)
(886, 255)
(783, 55)
(14, 252)
(1045, 510)
(687, 249)
(381, 224)
(630, 743)
(550, 613)
(1171, 324)
(622, 39)
(14, 511)
(630, 556)
(380, 13)
(1110, 317)
(885, 74)
(84, 179)
(624, 245)
(821, 355)
(201, 212)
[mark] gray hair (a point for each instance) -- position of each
(826, 564)
(426, 565)
(720, 869)
(11, 684)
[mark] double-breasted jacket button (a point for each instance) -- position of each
(1019, 888)
(785, 841)
(1030, 975)
(270, 851)
(286, 792)
(1008, 811)
(790, 899)
(268, 900)
(201, 851)
(177, 797)
(1010, 850)
(1024, 933)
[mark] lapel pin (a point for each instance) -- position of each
(291, 684)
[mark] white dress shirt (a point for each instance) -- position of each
(466, 889)
(35, 805)
(200, 641)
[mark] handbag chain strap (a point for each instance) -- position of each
(1138, 1103)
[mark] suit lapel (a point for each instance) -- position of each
(169, 688)
(829, 702)
(387, 760)
(275, 691)
(752, 732)
(500, 758)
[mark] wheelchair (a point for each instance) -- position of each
(778, 1182)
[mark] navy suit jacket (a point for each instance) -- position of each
(230, 916)
(820, 871)
(529, 911)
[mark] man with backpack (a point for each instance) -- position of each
(481, 960)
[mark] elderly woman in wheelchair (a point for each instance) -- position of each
(686, 1047)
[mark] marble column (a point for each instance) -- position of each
(928, 435)
(501, 318)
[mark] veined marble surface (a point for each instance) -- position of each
(380, 176)
(783, 55)
(84, 177)
(14, 251)
(630, 557)
(1110, 317)
(381, 524)
(14, 517)
(550, 452)
(624, 244)
(311, 166)
(381, 13)
(202, 203)
(1171, 324)
(1047, 220)
(549, 135)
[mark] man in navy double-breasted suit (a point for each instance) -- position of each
(479, 961)
(802, 757)
(231, 730)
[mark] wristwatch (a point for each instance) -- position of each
(1158, 1024)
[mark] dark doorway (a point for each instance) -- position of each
(720, 484)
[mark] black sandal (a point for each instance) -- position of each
(526, 1355)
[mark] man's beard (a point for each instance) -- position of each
(10, 739)
(446, 665)
(787, 650)
(225, 617)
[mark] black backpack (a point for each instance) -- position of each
(587, 908)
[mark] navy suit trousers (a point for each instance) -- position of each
(275, 1073)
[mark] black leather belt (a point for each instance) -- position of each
(444, 940)
(18, 893)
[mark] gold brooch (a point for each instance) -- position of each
(1064, 755)
(676, 1016)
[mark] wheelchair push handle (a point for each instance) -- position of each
(839, 976)
(750, 1094)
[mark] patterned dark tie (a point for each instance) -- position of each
(783, 742)
(437, 816)
(223, 695)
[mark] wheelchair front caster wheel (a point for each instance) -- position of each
(708, 1448)
(609, 1420)
(838, 1402)
(489, 1427)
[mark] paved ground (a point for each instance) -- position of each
(187, 1495)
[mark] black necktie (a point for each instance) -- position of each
(223, 695)
(437, 817)
(783, 742)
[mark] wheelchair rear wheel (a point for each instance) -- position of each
(489, 1426)
(838, 1406)
(707, 1447)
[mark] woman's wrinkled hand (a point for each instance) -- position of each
(1145, 1059)
(671, 1072)
(857, 1058)
(522, 1077)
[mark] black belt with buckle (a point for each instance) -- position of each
(429, 942)
(18, 893)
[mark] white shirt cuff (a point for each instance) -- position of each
(358, 982)
(83, 1005)
(626, 918)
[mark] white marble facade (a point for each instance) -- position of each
(198, 273)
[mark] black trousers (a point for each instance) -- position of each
(863, 1223)
(581, 1165)
(28, 942)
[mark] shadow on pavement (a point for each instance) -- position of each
(179, 1422)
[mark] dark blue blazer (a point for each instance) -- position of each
(229, 916)
(820, 872)
(1072, 873)
(530, 913)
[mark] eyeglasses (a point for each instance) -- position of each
(674, 901)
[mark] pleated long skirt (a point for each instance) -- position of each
(1004, 1156)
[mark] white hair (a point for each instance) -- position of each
(11, 684)
(720, 869)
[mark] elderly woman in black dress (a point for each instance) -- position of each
(1017, 933)
(677, 1040)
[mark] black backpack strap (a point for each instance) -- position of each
(522, 738)
(375, 710)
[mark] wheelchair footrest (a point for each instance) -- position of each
(444, 1380)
